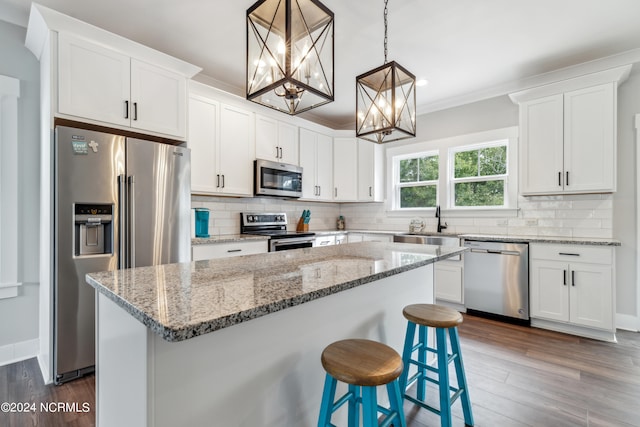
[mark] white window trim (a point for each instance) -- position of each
(442, 146)
(396, 179)
(9, 94)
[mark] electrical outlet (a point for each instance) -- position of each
(531, 222)
(502, 223)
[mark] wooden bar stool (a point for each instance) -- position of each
(363, 365)
(442, 319)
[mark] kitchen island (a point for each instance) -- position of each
(237, 341)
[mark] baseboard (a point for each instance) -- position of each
(567, 328)
(627, 322)
(44, 370)
(16, 352)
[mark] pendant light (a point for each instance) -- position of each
(290, 54)
(386, 100)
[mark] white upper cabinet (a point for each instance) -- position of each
(316, 159)
(158, 99)
(542, 146)
(104, 85)
(590, 139)
(276, 141)
(93, 82)
(222, 150)
(370, 172)
(568, 135)
(237, 150)
(345, 165)
(203, 140)
(569, 142)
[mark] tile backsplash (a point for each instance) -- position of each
(567, 216)
(224, 217)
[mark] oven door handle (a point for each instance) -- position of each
(289, 241)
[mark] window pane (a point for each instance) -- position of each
(493, 161)
(429, 168)
(484, 193)
(418, 197)
(466, 164)
(409, 170)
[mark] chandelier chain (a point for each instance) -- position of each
(386, 12)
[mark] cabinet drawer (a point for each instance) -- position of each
(572, 253)
(225, 250)
(325, 241)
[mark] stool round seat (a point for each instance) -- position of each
(435, 316)
(362, 362)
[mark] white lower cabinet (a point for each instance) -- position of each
(325, 241)
(341, 238)
(230, 249)
(449, 281)
(369, 237)
(573, 285)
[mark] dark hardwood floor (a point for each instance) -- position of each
(517, 377)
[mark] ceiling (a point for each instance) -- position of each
(466, 49)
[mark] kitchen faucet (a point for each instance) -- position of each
(440, 226)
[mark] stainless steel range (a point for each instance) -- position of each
(274, 225)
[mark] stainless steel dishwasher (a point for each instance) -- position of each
(496, 280)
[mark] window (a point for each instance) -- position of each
(479, 175)
(416, 181)
(468, 175)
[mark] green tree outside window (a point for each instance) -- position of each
(489, 162)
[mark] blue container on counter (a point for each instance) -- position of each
(202, 222)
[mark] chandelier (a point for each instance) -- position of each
(290, 54)
(386, 100)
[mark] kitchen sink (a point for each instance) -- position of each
(429, 239)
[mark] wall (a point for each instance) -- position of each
(19, 315)
(608, 215)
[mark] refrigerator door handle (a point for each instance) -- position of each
(122, 224)
(132, 221)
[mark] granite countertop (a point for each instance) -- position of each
(494, 238)
(182, 301)
(543, 239)
(226, 238)
(477, 237)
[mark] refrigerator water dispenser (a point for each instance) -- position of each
(93, 229)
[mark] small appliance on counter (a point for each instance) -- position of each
(274, 225)
(202, 222)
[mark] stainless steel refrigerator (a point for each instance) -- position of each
(119, 203)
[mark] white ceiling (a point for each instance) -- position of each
(466, 49)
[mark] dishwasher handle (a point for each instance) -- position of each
(495, 252)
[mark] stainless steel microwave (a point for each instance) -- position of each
(277, 179)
